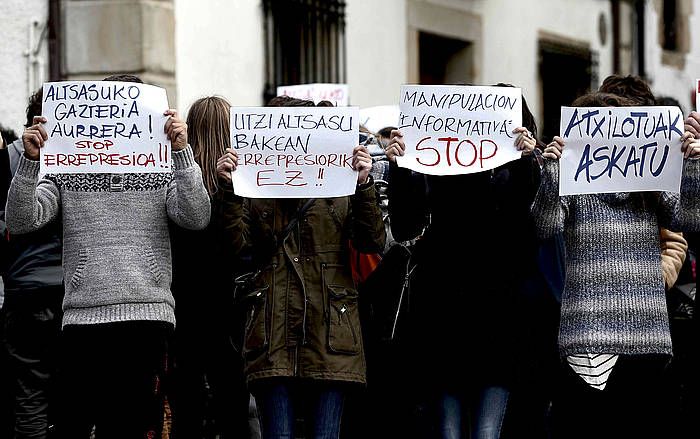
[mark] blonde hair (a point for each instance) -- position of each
(208, 130)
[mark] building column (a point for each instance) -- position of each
(105, 37)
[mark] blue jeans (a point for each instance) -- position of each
(279, 403)
(486, 414)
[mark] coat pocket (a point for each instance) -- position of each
(256, 334)
(343, 321)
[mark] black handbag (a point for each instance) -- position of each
(244, 286)
(387, 294)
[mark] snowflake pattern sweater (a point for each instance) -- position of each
(116, 245)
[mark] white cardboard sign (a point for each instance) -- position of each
(335, 93)
(294, 152)
(620, 149)
(104, 127)
(450, 130)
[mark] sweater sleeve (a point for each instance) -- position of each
(686, 212)
(549, 209)
(188, 202)
(5, 179)
(31, 203)
(235, 214)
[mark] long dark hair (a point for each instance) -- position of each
(527, 116)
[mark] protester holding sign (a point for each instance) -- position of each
(104, 127)
(452, 130)
(473, 228)
(118, 309)
(206, 362)
(297, 152)
(31, 322)
(673, 244)
(303, 339)
(613, 307)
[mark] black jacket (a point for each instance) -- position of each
(484, 217)
(478, 251)
(31, 261)
(203, 271)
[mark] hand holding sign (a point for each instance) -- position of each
(108, 126)
(34, 138)
(524, 142)
(176, 129)
(692, 124)
(622, 149)
(691, 146)
(396, 148)
(296, 152)
(362, 163)
(452, 130)
(226, 164)
(554, 150)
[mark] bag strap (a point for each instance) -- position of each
(279, 238)
(294, 221)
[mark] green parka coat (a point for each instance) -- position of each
(302, 318)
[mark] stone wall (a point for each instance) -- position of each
(103, 37)
(17, 77)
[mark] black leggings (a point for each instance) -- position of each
(635, 403)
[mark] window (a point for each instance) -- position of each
(670, 25)
(304, 42)
(444, 60)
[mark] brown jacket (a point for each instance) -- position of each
(302, 318)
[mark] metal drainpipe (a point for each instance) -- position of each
(640, 7)
(30, 60)
(54, 43)
(615, 9)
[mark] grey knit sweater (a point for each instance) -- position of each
(614, 299)
(116, 245)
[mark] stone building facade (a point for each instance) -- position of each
(242, 49)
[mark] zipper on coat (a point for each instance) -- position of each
(303, 287)
(271, 295)
(296, 360)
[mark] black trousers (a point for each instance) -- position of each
(31, 326)
(110, 379)
(634, 404)
(206, 388)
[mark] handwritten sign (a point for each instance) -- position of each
(621, 149)
(294, 152)
(335, 93)
(450, 130)
(105, 127)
